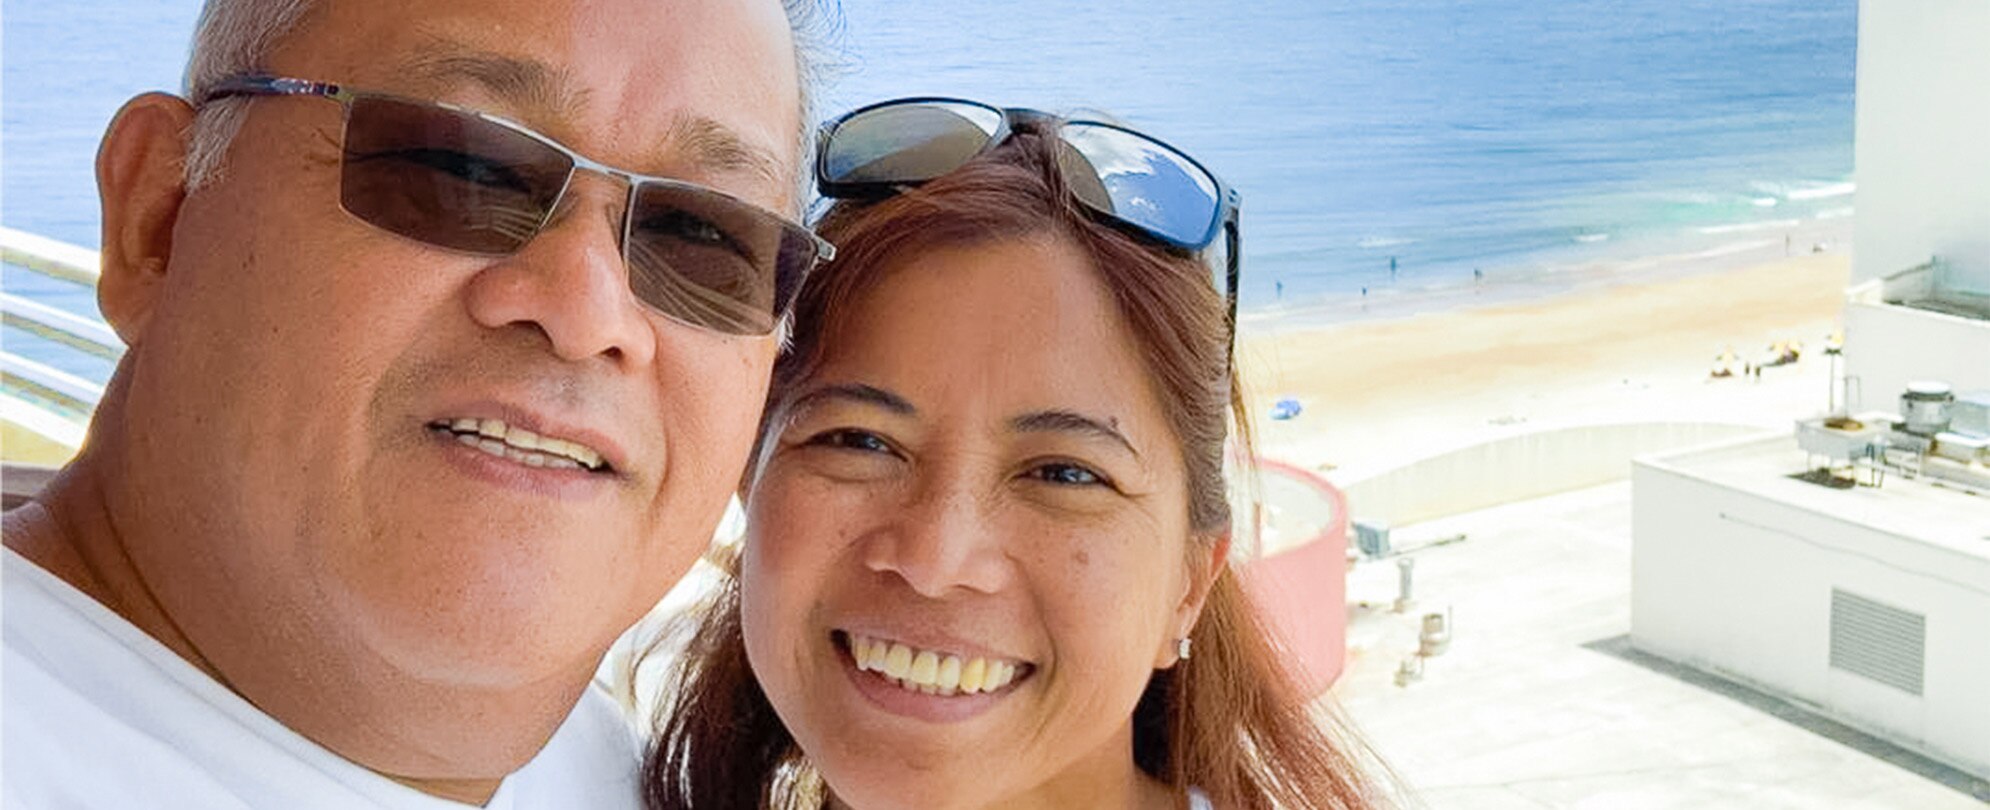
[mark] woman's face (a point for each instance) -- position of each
(967, 547)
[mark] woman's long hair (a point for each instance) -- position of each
(1229, 720)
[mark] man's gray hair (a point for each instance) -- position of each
(236, 36)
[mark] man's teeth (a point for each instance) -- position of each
(930, 672)
(523, 446)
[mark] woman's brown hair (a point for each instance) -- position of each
(1230, 719)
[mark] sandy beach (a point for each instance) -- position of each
(1380, 391)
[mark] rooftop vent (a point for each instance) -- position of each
(1878, 642)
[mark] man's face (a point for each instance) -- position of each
(292, 388)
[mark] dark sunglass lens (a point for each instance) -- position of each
(907, 143)
(712, 261)
(1142, 182)
(447, 178)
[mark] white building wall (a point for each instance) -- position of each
(1739, 584)
(1888, 346)
(1522, 467)
(1923, 138)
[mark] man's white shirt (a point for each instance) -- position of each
(98, 714)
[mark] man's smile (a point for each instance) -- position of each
(522, 446)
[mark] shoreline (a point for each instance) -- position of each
(1624, 339)
(1522, 283)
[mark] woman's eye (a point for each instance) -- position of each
(1066, 474)
(851, 440)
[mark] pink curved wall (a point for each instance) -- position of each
(1302, 591)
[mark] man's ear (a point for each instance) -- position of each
(141, 177)
(1209, 560)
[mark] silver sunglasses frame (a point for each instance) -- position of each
(258, 85)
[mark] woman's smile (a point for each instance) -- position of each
(935, 685)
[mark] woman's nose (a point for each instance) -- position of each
(944, 542)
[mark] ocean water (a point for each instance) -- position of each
(1442, 136)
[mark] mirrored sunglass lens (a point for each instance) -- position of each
(1140, 181)
(445, 177)
(714, 262)
(908, 143)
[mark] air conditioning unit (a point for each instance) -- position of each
(1372, 538)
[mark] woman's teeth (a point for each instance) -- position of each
(929, 672)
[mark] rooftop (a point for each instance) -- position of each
(1922, 508)
(1540, 703)
(1938, 285)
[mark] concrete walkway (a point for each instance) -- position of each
(1539, 703)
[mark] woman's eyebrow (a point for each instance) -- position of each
(858, 393)
(1061, 421)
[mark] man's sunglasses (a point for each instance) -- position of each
(1128, 179)
(468, 181)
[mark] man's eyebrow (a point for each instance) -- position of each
(718, 149)
(1057, 421)
(526, 83)
(854, 392)
(692, 141)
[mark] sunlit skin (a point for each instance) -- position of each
(263, 491)
(980, 464)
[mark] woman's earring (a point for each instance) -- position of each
(1181, 648)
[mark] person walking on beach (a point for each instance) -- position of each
(421, 409)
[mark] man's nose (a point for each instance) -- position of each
(944, 542)
(570, 283)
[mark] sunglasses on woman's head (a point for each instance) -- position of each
(463, 180)
(1126, 178)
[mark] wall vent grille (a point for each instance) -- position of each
(1878, 641)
